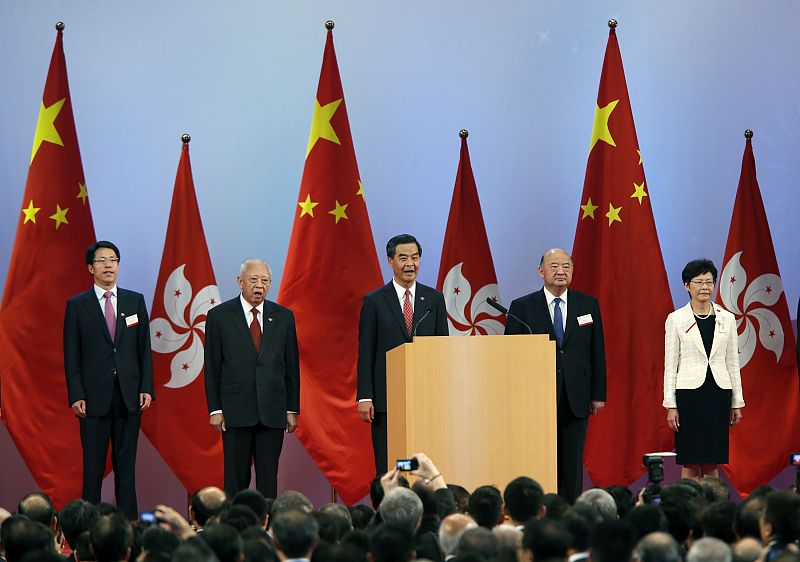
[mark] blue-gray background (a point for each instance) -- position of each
(522, 76)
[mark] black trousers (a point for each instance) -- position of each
(379, 446)
(244, 446)
(121, 428)
(570, 440)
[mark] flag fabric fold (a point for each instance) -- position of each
(618, 259)
(331, 264)
(466, 271)
(47, 267)
(177, 423)
(750, 287)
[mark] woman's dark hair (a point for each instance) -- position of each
(698, 267)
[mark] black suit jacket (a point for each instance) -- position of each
(382, 328)
(92, 361)
(249, 385)
(581, 361)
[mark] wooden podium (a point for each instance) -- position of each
(482, 408)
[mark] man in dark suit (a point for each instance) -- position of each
(573, 320)
(109, 373)
(252, 371)
(391, 316)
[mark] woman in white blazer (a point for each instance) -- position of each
(702, 384)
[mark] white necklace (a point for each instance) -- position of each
(710, 310)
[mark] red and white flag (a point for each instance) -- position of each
(466, 270)
(177, 423)
(750, 287)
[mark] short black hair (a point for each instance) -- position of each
(90, 251)
(783, 513)
(253, 499)
(76, 517)
(646, 519)
(718, 521)
(156, 540)
(20, 534)
(391, 543)
(748, 514)
(461, 495)
(331, 528)
(295, 533)
(376, 492)
(546, 539)
(623, 497)
(612, 541)
(224, 540)
(524, 498)
(112, 536)
(38, 506)
(698, 267)
(361, 515)
(194, 549)
(394, 241)
(240, 517)
(486, 506)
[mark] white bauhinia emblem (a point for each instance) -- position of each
(766, 290)
(168, 336)
(482, 318)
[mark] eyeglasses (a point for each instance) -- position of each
(703, 283)
(103, 261)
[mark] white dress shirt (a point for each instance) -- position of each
(401, 293)
(551, 306)
(101, 297)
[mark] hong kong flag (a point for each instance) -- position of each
(750, 287)
(466, 270)
(177, 423)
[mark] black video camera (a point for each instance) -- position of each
(654, 463)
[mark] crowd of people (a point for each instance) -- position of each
(687, 521)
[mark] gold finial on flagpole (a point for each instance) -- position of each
(60, 26)
(748, 134)
(612, 24)
(329, 25)
(463, 133)
(185, 138)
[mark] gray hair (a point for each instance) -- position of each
(253, 261)
(401, 508)
(601, 501)
(658, 547)
(338, 510)
(709, 549)
(452, 528)
(288, 501)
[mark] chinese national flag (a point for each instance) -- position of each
(47, 267)
(177, 423)
(750, 287)
(330, 266)
(467, 260)
(618, 260)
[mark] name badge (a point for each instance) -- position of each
(132, 320)
(585, 320)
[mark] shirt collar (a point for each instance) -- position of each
(248, 307)
(101, 292)
(401, 291)
(551, 297)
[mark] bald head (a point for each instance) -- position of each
(451, 529)
(555, 268)
(747, 549)
(206, 502)
(658, 547)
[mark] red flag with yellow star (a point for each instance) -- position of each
(330, 266)
(618, 260)
(750, 287)
(47, 267)
(177, 423)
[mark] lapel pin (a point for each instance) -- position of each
(269, 319)
(422, 298)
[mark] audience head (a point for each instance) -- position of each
(624, 499)
(555, 506)
(205, 503)
(224, 540)
(718, 521)
(451, 529)
(19, 535)
(748, 516)
(682, 504)
(715, 489)
(544, 539)
(112, 538)
(256, 550)
(747, 549)
(429, 508)
(479, 541)
(709, 549)
(288, 501)
(600, 500)
(76, 517)
(361, 515)
(486, 506)
(340, 511)
(781, 519)
(331, 527)
(392, 544)
(295, 533)
(402, 508)
(579, 529)
(647, 519)
(612, 541)
(524, 499)
(461, 495)
(194, 549)
(658, 546)
(256, 501)
(240, 517)
(157, 541)
(509, 539)
(376, 492)
(39, 507)
(83, 547)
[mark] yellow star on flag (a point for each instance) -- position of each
(321, 127)
(82, 194)
(60, 216)
(30, 213)
(638, 191)
(588, 209)
(639, 152)
(360, 189)
(46, 128)
(307, 206)
(613, 214)
(339, 211)
(600, 126)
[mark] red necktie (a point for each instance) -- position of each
(408, 312)
(255, 329)
(111, 316)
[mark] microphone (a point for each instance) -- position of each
(503, 310)
(424, 316)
